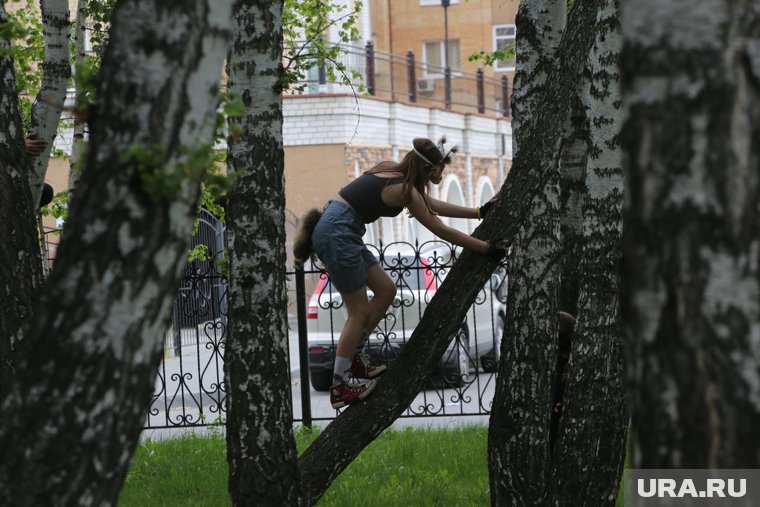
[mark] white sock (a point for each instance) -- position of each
(342, 365)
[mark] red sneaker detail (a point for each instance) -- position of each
(345, 394)
(361, 368)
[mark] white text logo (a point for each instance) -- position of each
(714, 488)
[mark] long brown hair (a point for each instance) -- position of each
(417, 170)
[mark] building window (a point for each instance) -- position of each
(433, 56)
(504, 39)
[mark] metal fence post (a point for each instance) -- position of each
(411, 76)
(370, 54)
(303, 347)
(481, 92)
(505, 96)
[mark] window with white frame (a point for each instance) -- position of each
(504, 39)
(434, 56)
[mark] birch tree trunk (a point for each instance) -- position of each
(20, 262)
(78, 144)
(691, 298)
(345, 437)
(524, 386)
(56, 70)
(540, 24)
(78, 402)
(572, 182)
(525, 470)
(261, 449)
(590, 450)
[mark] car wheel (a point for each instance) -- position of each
(490, 361)
(458, 374)
(321, 380)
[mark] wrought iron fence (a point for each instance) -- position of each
(189, 386)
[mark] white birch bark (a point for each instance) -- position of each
(572, 190)
(525, 380)
(594, 412)
(261, 448)
(691, 279)
(56, 70)
(78, 144)
(540, 24)
(77, 403)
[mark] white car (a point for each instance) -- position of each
(417, 279)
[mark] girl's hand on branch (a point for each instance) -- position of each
(485, 208)
(498, 249)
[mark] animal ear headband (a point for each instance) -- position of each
(445, 155)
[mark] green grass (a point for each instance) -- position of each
(412, 467)
(417, 467)
(187, 471)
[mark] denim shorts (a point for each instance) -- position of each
(337, 241)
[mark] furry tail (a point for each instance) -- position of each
(302, 241)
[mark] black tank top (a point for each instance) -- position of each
(364, 195)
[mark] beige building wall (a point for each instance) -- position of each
(402, 25)
(313, 175)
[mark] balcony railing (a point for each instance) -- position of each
(403, 78)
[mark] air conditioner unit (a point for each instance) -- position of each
(425, 85)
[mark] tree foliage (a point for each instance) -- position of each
(25, 32)
(306, 25)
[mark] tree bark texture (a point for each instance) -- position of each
(20, 262)
(78, 145)
(524, 396)
(691, 277)
(572, 178)
(590, 451)
(56, 70)
(357, 426)
(525, 379)
(79, 398)
(261, 448)
(540, 24)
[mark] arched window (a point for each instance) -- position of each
(452, 193)
(485, 190)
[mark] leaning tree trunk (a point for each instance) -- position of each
(79, 398)
(345, 437)
(691, 298)
(20, 262)
(56, 70)
(594, 413)
(261, 450)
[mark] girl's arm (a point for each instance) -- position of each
(433, 223)
(446, 209)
